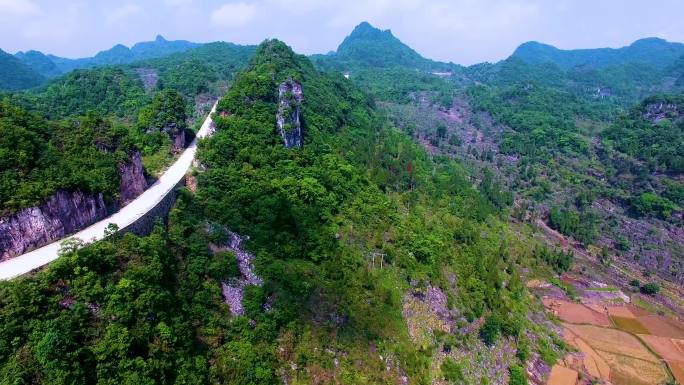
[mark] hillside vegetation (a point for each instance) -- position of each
(150, 310)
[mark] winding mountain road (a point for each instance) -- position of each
(122, 218)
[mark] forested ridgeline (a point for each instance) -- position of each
(150, 310)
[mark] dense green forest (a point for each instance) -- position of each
(149, 310)
(404, 228)
(38, 156)
(73, 132)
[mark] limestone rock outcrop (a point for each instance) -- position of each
(288, 117)
(63, 213)
(66, 212)
(133, 181)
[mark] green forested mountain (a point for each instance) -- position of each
(368, 46)
(557, 127)
(205, 69)
(15, 75)
(149, 310)
(653, 51)
(653, 132)
(409, 239)
(29, 69)
(107, 91)
(39, 62)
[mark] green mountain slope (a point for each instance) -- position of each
(39, 62)
(346, 232)
(653, 51)
(15, 75)
(205, 69)
(369, 47)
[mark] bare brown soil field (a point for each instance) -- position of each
(677, 369)
(662, 327)
(665, 347)
(596, 366)
(631, 325)
(620, 311)
(560, 375)
(626, 370)
(576, 313)
(613, 341)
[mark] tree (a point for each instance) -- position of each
(490, 330)
(166, 114)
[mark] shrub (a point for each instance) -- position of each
(650, 288)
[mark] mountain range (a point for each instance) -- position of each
(365, 47)
(49, 66)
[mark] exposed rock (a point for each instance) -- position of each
(133, 181)
(426, 311)
(233, 291)
(63, 213)
(658, 111)
(148, 76)
(537, 370)
(290, 99)
(178, 138)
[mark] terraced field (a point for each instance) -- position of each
(617, 343)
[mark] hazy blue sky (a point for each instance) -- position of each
(462, 31)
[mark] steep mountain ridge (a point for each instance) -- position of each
(32, 67)
(370, 47)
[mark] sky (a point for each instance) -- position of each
(461, 31)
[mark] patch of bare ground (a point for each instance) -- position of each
(671, 350)
(560, 375)
(592, 362)
(662, 326)
(677, 369)
(576, 313)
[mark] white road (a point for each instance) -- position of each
(123, 218)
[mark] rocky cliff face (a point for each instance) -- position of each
(290, 99)
(133, 181)
(64, 213)
(178, 138)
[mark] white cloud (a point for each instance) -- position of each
(18, 7)
(122, 13)
(233, 14)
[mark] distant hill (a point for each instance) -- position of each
(39, 62)
(206, 69)
(368, 46)
(120, 54)
(16, 75)
(654, 51)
